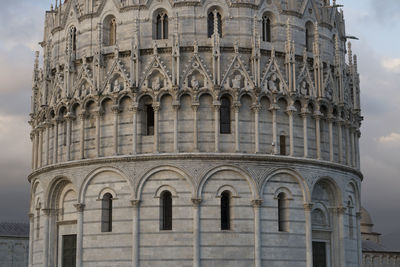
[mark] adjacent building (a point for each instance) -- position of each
(14, 243)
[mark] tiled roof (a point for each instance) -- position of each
(370, 246)
(14, 229)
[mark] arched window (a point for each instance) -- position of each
(110, 31)
(225, 210)
(106, 213)
(113, 32)
(210, 23)
(149, 120)
(282, 145)
(166, 210)
(309, 36)
(72, 38)
(283, 213)
(351, 223)
(266, 29)
(225, 116)
(161, 26)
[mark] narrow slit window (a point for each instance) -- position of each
(106, 213)
(225, 116)
(283, 220)
(113, 32)
(225, 210)
(282, 145)
(166, 211)
(211, 21)
(266, 29)
(149, 120)
(161, 26)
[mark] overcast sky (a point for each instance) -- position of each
(376, 23)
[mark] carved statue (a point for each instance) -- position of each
(236, 81)
(194, 83)
(304, 90)
(117, 86)
(155, 84)
(272, 83)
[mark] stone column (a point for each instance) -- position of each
(82, 134)
(31, 237)
(353, 146)
(359, 238)
(116, 111)
(135, 232)
(317, 116)
(195, 107)
(273, 109)
(307, 213)
(156, 108)
(304, 114)
(55, 140)
(47, 125)
(340, 137)
(79, 237)
(217, 107)
(97, 114)
(340, 211)
(69, 119)
(236, 109)
(256, 110)
(257, 232)
(46, 213)
(348, 146)
(40, 149)
(330, 123)
(33, 140)
(290, 111)
(134, 110)
(358, 135)
(196, 231)
(176, 109)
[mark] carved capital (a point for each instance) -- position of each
(79, 207)
(318, 115)
(156, 107)
(291, 110)
(308, 206)
(236, 107)
(274, 107)
(196, 202)
(135, 203)
(82, 115)
(256, 203)
(133, 108)
(195, 106)
(70, 116)
(47, 212)
(176, 106)
(115, 109)
(256, 108)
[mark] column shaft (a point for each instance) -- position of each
(318, 137)
(134, 131)
(82, 137)
(195, 138)
(309, 255)
(135, 232)
(196, 232)
(79, 236)
(115, 129)
(305, 135)
(176, 109)
(98, 134)
(55, 140)
(237, 132)
(68, 149)
(340, 137)
(46, 214)
(216, 121)
(291, 137)
(31, 236)
(274, 131)
(47, 144)
(256, 130)
(257, 233)
(156, 113)
(330, 140)
(40, 150)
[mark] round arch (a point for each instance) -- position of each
(302, 182)
(252, 184)
(138, 192)
(337, 192)
(53, 186)
(94, 173)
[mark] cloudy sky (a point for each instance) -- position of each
(376, 23)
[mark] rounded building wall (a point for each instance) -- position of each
(195, 134)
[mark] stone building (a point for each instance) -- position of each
(195, 133)
(374, 252)
(14, 241)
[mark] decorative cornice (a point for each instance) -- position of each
(199, 156)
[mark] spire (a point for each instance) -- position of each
(216, 30)
(288, 31)
(35, 68)
(350, 53)
(337, 51)
(355, 64)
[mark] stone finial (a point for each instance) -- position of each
(350, 53)
(155, 48)
(216, 30)
(288, 31)
(195, 47)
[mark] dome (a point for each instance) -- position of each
(189, 133)
(365, 217)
